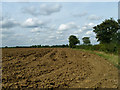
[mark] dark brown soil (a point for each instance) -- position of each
(56, 68)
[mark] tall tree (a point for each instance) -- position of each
(106, 31)
(118, 32)
(86, 40)
(118, 38)
(73, 40)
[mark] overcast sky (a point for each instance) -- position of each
(52, 23)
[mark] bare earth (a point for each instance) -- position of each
(56, 68)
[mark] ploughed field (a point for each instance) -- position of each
(56, 68)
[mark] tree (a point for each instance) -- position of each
(73, 40)
(86, 40)
(118, 32)
(106, 31)
(118, 38)
(6, 46)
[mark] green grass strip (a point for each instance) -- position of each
(110, 57)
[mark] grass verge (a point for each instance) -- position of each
(110, 57)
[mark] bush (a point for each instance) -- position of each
(108, 48)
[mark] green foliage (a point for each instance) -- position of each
(40, 46)
(73, 40)
(118, 37)
(86, 40)
(106, 31)
(109, 36)
(108, 48)
(86, 47)
(35, 46)
(6, 46)
(60, 46)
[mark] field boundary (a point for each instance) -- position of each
(112, 58)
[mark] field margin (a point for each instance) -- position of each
(112, 58)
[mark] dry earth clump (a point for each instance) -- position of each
(56, 68)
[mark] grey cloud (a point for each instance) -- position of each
(11, 38)
(80, 14)
(10, 23)
(44, 9)
(6, 31)
(44, 29)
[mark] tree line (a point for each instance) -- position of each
(40, 46)
(107, 33)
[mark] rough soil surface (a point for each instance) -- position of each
(56, 68)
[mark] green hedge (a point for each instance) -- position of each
(108, 48)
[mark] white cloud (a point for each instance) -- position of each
(67, 26)
(94, 17)
(87, 27)
(33, 23)
(44, 9)
(59, 32)
(90, 25)
(36, 30)
(63, 27)
(89, 32)
(78, 31)
(51, 37)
